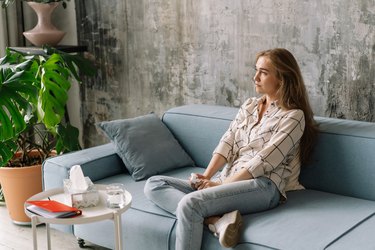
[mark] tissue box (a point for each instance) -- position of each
(78, 199)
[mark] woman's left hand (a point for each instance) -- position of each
(205, 183)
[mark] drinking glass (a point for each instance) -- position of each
(115, 195)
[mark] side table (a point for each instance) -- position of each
(89, 215)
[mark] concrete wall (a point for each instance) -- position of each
(156, 54)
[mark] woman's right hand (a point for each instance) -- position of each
(196, 179)
(202, 182)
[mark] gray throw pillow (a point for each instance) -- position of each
(145, 145)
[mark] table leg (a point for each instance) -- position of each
(35, 236)
(118, 231)
(48, 236)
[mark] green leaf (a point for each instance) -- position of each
(7, 150)
(16, 99)
(6, 128)
(53, 93)
(11, 58)
(67, 138)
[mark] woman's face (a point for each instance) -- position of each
(265, 79)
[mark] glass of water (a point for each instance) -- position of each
(115, 195)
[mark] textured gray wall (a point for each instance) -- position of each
(156, 54)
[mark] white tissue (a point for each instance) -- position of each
(78, 181)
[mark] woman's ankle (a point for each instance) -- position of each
(211, 220)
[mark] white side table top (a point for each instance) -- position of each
(89, 214)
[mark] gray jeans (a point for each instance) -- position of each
(191, 206)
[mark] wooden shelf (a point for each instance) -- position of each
(40, 51)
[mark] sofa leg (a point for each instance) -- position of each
(81, 242)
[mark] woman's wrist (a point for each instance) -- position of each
(206, 176)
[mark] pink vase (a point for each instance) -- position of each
(44, 32)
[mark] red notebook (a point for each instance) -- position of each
(52, 209)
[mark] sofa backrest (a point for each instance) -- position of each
(199, 128)
(343, 161)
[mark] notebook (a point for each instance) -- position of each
(52, 209)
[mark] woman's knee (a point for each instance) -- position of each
(189, 204)
(151, 185)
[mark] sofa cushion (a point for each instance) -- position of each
(309, 220)
(307, 216)
(140, 201)
(342, 161)
(199, 128)
(145, 145)
(359, 237)
(143, 223)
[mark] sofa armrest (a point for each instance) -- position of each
(97, 163)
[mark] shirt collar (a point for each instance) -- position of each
(262, 99)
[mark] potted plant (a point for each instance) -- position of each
(33, 96)
(44, 32)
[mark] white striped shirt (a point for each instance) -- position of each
(269, 148)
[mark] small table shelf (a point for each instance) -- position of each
(89, 215)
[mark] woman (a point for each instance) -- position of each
(261, 152)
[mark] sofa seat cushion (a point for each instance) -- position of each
(309, 220)
(361, 237)
(143, 223)
(140, 201)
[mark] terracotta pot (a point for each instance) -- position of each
(44, 32)
(18, 185)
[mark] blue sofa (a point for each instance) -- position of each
(335, 211)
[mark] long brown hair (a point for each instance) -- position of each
(293, 94)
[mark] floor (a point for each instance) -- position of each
(20, 237)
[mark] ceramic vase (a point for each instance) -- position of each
(44, 32)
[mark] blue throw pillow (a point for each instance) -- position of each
(145, 145)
